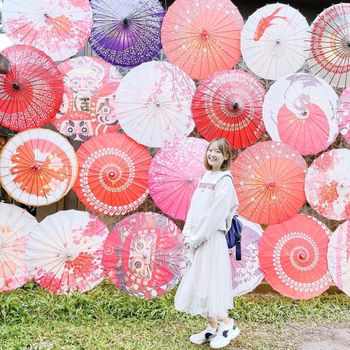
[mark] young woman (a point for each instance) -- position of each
(206, 287)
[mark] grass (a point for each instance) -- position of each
(105, 318)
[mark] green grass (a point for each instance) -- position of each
(105, 318)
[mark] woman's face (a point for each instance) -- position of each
(214, 156)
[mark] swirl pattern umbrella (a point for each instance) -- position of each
(112, 174)
(144, 255)
(153, 103)
(203, 36)
(126, 32)
(246, 273)
(229, 104)
(330, 45)
(60, 28)
(269, 180)
(89, 98)
(38, 167)
(343, 114)
(273, 41)
(293, 257)
(300, 110)
(339, 257)
(174, 173)
(65, 252)
(31, 91)
(15, 225)
(327, 184)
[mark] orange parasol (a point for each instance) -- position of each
(269, 179)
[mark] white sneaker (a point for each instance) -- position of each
(225, 333)
(203, 337)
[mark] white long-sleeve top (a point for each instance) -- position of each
(212, 207)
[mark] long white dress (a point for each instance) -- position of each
(206, 287)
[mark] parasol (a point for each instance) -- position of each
(228, 104)
(153, 103)
(15, 226)
(300, 110)
(144, 255)
(37, 167)
(273, 41)
(126, 32)
(112, 174)
(60, 28)
(65, 252)
(174, 174)
(31, 90)
(202, 37)
(89, 97)
(269, 180)
(293, 257)
(327, 184)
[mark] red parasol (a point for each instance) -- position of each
(293, 257)
(31, 92)
(269, 179)
(144, 255)
(229, 104)
(112, 174)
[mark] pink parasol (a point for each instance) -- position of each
(174, 174)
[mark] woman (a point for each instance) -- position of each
(206, 287)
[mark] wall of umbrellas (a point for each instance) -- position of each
(142, 107)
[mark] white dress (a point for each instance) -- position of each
(206, 287)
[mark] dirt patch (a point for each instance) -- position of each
(326, 338)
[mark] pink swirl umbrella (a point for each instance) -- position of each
(339, 257)
(293, 257)
(144, 255)
(174, 173)
(65, 252)
(327, 184)
(246, 273)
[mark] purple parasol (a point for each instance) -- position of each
(246, 273)
(126, 32)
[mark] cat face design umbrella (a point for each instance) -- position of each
(144, 255)
(15, 226)
(31, 89)
(327, 184)
(293, 257)
(88, 107)
(269, 179)
(300, 110)
(38, 167)
(112, 174)
(60, 28)
(65, 252)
